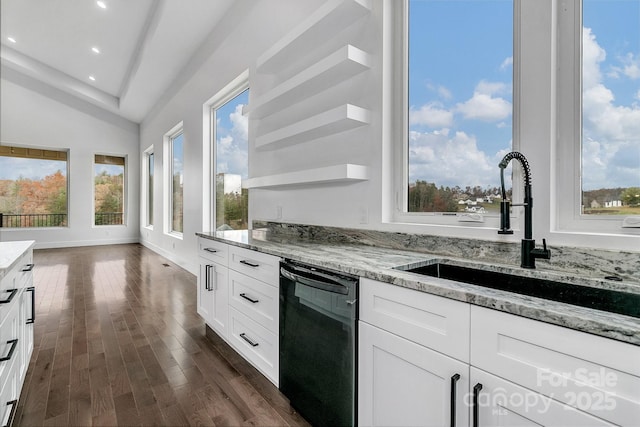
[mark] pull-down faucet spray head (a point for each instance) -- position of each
(529, 253)
(505, 205)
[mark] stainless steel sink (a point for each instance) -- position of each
(613, 301)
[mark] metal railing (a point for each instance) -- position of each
(54, 220)
(109, 218)
(33, 220)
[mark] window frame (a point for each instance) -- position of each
(125, 176)
(224, 95)
(67, 152)
(169, 137)
(568, 210)
(399, 199)
(148, 188)
(546, 128)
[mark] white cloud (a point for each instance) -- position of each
(611, 133)
(507, 63)
(436, 157)
(431, 115)
(232, 145)
(442, 91)
(631, 66)
(484, 106)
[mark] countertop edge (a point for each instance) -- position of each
(17, 250)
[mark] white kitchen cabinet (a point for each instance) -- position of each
(16, 322)
(520, 371)
(213, 288)
(238, 298)
(213, 284)
(503, 403)
(406, 373)
(402, 383)
(598, 376)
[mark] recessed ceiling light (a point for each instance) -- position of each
(101, 4)
(11, 39)
(93, 79)
(95, 50)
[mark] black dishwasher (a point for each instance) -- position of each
(318, 342)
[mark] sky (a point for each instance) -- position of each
(15, 167)
(232, 137)
(460, 105)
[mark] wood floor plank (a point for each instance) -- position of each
(117, 341)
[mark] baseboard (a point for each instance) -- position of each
(189, 266)
(77, 243)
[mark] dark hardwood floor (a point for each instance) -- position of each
(118, 342)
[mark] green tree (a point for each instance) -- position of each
(631, 196)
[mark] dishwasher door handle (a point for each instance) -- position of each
(321, 282)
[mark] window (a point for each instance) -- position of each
(33, 187)
(599, 115)
(229, 156)
(148, 171)
(175, 180)
(108, 190)
(460, 56)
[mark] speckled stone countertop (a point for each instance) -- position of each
(10, 252)
(339, 250)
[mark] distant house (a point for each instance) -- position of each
(595, 204)
(613, 204)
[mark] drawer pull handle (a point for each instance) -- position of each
(253, 301)
(211, 250)
(28, 267)
(33, 305)
(207, 277)
(247, 339)
(14, 344)
(10, 297)
(12, 413)
(454, 381)
(249, 263)
(476, 415)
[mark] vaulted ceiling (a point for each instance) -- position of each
(120, 55)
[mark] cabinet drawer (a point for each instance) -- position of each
(597, 375)
(9, 394)
(255, 299)
(10, 336)
(257, 344)
(24, 270)
(255, 264)
(439, 323)
(213, 250)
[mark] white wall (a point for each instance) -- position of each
(246, 31)
(33, 114)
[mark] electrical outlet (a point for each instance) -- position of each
(364, 215)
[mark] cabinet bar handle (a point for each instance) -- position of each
(249, 263)
(10, 297)
(14, 344)
(211, 250)
(12, 413)
(32, 289)
(476, 392)
(253, 301)
(28, 267)
(454, 380)
(206, 277)
(247, 339)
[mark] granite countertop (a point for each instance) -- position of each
(10, 252)
(378, 263)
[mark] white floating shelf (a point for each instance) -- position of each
(342, 64)
(331, 16)
(330, 174)
(340, 119)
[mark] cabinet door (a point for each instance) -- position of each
(402, 383)
(502, 403)
(27, 319)
(213, 304)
